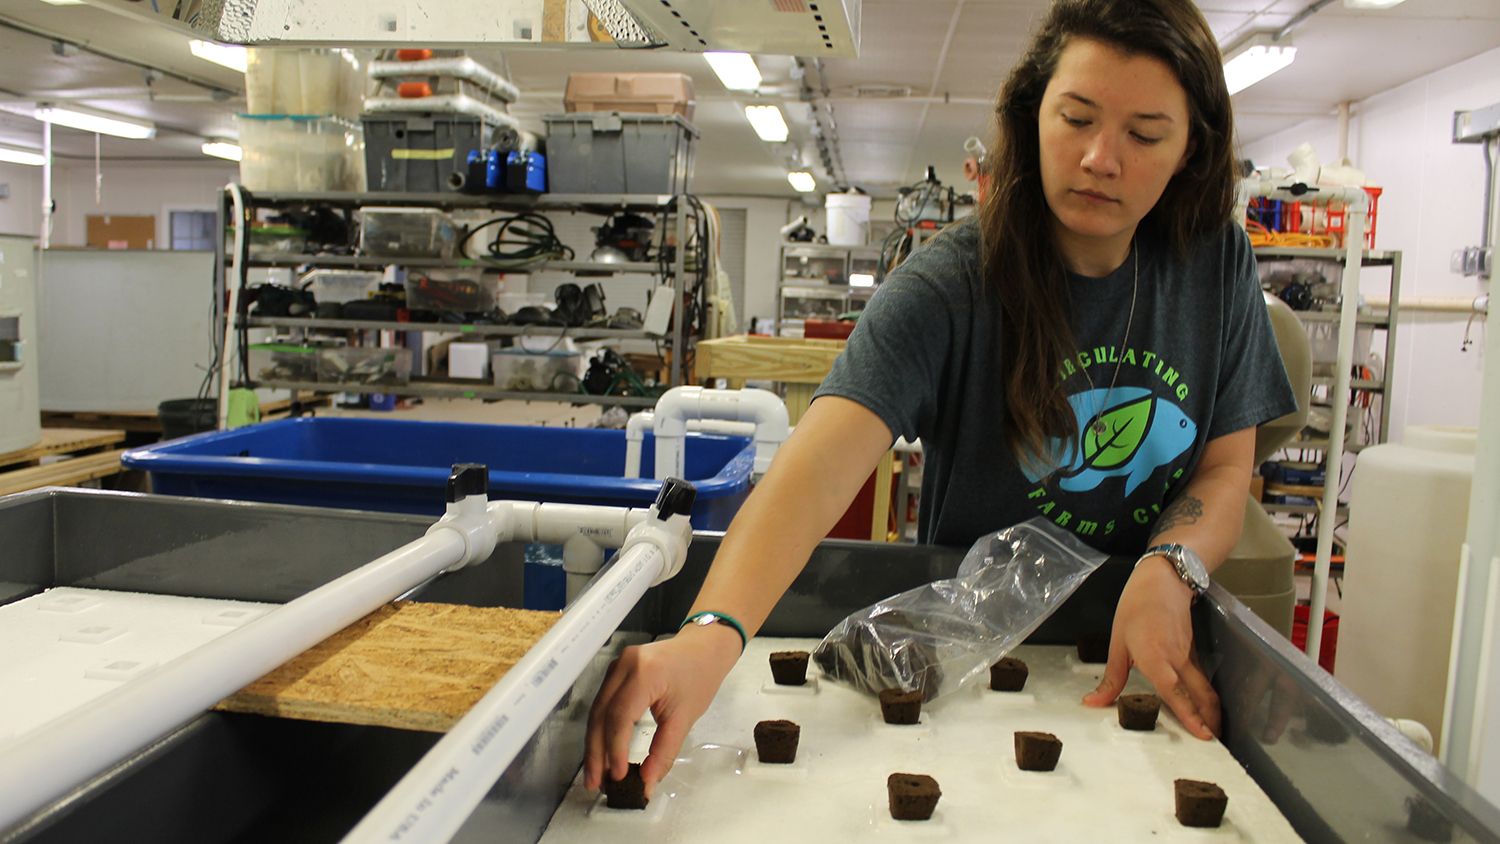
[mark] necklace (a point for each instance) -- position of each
(1098, 426)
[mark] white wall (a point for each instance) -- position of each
(21, 211)
(135, 188)
(1433, 203)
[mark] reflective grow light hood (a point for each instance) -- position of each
(810, 28)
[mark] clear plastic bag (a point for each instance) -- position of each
(936, 638)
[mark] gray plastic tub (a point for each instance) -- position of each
(609, 152)
(225, 777)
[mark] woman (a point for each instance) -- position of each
(1092, 348)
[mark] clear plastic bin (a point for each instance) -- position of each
(305, 81)
(547, 372)
(407, 232)
(328, 285)
(283, 362)
(296, 153)
(364, 365)
(425, 292)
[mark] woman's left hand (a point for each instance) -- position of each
(1153, 632)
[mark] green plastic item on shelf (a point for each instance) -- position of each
(244, 409)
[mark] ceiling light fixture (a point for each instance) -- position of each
(1372, 4)
(802, 181)
(28, 157)
(767, 122)
(226, 150)
(64, 2)
(88, 121)
(736, 70)
(231, 56)
(1254, 59)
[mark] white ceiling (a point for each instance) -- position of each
(949, 55)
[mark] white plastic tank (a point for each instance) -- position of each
(848, 218)
(1408, 510)
(20, 411)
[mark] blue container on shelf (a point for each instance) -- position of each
(402, 467)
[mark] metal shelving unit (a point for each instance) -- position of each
(450, 328)
(1383, 320)
(814, 272)
(598, 204)
(456, 390)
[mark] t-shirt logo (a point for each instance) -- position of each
(1141, 433)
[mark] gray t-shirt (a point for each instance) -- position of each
(1201, 361)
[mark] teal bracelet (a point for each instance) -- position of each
(710, 616)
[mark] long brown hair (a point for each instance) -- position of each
(1020, 254)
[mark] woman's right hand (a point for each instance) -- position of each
(676, 679)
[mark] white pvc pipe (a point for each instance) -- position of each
(635, 434)
(679, 404)
(1479, 305)
(639, 423)
(43, 765)
(436, 796)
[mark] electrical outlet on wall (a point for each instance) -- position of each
(1471, 260)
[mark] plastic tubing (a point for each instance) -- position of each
(47, 763)
(436, 796)
(679, 404)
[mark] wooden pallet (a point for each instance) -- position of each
(147, 421)
(60, 441)
(409, 665)
(70, 472)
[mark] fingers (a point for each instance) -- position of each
(1171, 689)
(1116, 673)
(611, 725)
(670, 733)
(1205, 699)
(593, 755)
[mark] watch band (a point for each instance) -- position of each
(707, 617)
(1176, 554)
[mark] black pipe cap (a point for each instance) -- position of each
(468, 479)
(675, 499)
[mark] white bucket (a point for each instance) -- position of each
(848, 218)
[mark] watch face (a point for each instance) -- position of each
(1193, 568)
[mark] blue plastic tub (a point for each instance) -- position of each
(403, 467)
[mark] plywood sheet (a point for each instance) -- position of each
(410, 665)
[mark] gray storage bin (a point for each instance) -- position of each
(416, 153)
(609, 152)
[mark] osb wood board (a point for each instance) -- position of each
(70, 472)
(767, 359)
(62, 441)
(410, 665)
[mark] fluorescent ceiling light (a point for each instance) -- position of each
(736, 70)
(1254, 60)
(12, 155)
(861, 280)
(1371, 4)
(768, 122)
(88, 121)
(802, 181)
(224, 150)
(64, 2)
(231, 56)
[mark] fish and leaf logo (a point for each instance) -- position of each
(1135, 435)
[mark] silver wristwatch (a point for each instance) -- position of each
(1186, 561)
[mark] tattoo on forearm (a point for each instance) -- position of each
(1184, 511)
